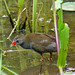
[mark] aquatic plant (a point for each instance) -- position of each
(62, 35)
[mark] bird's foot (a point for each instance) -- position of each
(49, 58)
(42, 58)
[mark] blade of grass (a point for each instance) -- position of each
(56, 29)
(2, 41)
(9, 14)
(9, 70)
(20, 5)
(38, 16)
(34, 14)
(14, 50)
(16, 24)
(0, 61)
(6, 6)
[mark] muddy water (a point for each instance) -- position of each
(27, 62)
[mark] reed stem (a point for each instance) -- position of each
(16, 24)
(56, 29)
(34, 14)
(61, 71)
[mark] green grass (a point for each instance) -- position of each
(34, 14)
(0, 60)
(20, 5)
(9, 70)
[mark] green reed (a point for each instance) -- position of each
(6, 6)
(9, 70)
(0, 61)
(20, 5)
(34, 14)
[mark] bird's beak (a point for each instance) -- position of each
(13, 44)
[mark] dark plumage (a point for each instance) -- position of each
(41, 43)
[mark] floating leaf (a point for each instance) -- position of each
(68, 6)
(69, 73)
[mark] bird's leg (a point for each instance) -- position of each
(42, 58)
(50, 57)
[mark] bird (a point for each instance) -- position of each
(39, 42)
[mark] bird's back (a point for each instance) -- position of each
(41, 42)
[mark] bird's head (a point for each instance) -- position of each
(17, 41)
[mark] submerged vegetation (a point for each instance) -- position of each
(61, 33)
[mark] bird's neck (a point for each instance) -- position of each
(26, 46)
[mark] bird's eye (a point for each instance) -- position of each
(17, 41)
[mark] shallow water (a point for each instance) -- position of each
(27, 62)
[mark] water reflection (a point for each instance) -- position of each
(42, 69)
